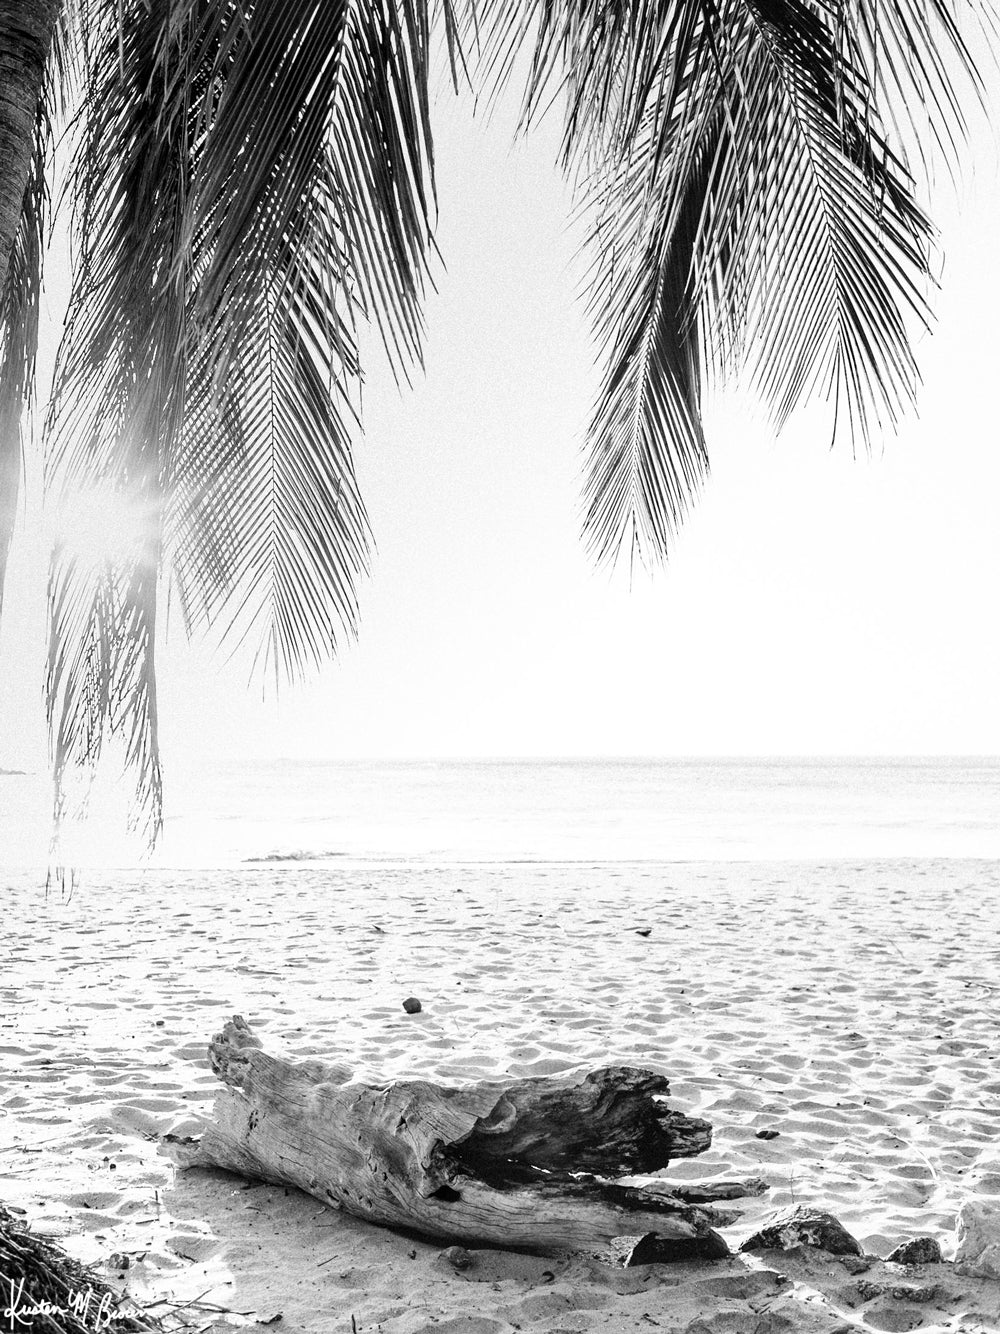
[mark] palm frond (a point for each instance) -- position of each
(647, 454)
(746, 193)
(266, 526)
(101, 673)
(304, 97)
(310, 210)
(826, 253)
(255, 180)
(118, 402)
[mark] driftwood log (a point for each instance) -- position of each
(520, 1163)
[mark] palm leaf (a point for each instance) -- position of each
(101, 672)
(118, 401)
(311, 97)
(647, 453)
(827, 255)
(254, 180)
(309, 211)
(267, 529)
(749, 207)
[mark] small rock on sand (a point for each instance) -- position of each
(458, 1257)
(855, 1264)
(919, 1251)
(411, 1005)
(803, 1227)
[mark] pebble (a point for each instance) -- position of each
(919, 1251)
(458, 1257)
(803, 1227)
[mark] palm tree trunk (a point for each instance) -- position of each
(26, 28)
(26, 32)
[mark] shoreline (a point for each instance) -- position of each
(17, 876)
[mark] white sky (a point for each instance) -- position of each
(814, 603)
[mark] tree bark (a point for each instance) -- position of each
(517, 1163)
(26, 30)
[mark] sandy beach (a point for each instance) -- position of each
(849, 1007)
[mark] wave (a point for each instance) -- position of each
(303, 855)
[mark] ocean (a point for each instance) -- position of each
(587, 811)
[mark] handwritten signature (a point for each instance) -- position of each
(84, 1303)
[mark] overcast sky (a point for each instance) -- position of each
(814, 603)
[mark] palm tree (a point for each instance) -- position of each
(254, 178)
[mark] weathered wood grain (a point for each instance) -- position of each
(516, 1163)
